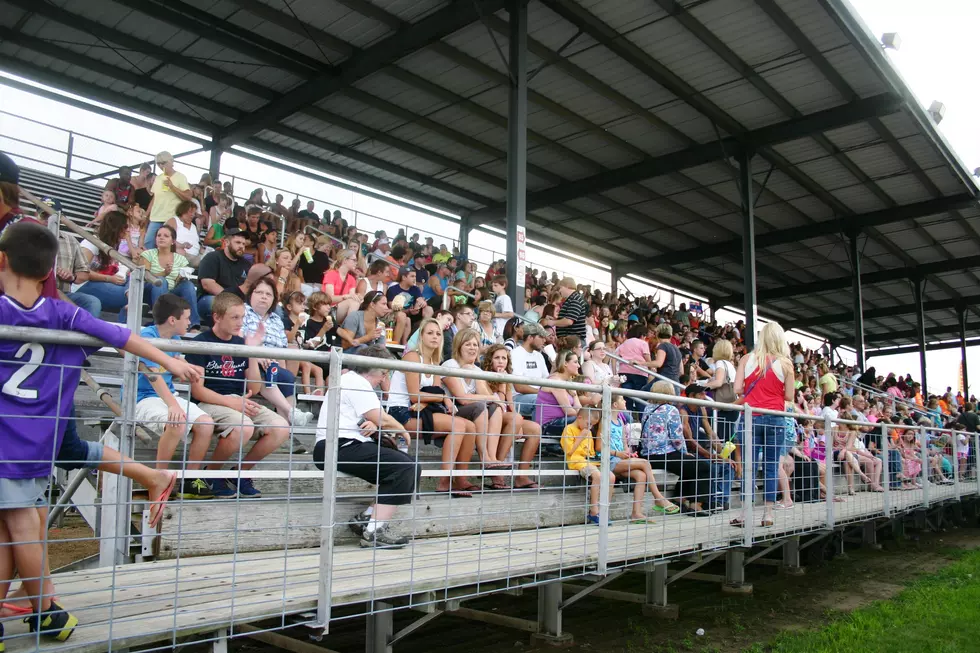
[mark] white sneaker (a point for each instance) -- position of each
(300, 418)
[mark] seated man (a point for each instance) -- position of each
(159, 408)
(224, 394)
(223, 269)
(395, 473)
(527, 360)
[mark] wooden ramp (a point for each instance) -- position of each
(157, 602)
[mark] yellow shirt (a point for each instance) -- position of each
(830, 381)
(582, 454)
(441, 257)
(165, 201)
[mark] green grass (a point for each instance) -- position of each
(936, 614)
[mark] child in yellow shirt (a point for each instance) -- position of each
(578, 443)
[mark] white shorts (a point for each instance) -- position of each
(153, 412)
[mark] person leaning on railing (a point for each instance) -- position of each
(358, 454)
(167, 264)
(107, 280)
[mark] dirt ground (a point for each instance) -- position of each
(832, 585)
(73, 542)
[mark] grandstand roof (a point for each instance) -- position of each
(635, 110)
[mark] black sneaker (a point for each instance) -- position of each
(193, 489)
(55, 623)
(382, 538)
(358, 522)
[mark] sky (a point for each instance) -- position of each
(936, 58)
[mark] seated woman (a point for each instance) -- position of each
(395, 473)
(284, 272)
(280, 383)
(364, 326)
(339, 284)
(485, 325)
(497, 359)
(662, 443)
(188, 241)
(596, 369)
(419, 404)
(556, 408)
(217, 217)
(869, 462)
(167, 264)
(624, 463)
(108, 279)
(473, 399)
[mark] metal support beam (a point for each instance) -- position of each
(379, 629)
(891, 311)
(791, 557)
(735, 573)
(464, 237)
(748, 246)
(918, 286)
(549, 617)
(701, 154)
(517, 154)
(961, 314)
(858, 303)
(656, 594)
(937, 346)
(614, 280)
(214, 166)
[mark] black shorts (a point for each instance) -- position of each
(395, 474)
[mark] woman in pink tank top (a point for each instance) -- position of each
(765, 379)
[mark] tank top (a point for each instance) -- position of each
(767, 391)
(142, 197)
(547, 408)
(398, 390)
(189, 235)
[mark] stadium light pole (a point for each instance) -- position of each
(517, 153)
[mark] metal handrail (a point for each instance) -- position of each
(75, 229)
(644, 371)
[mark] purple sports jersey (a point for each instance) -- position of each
(38, 382)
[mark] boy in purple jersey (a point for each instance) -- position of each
(37, 388)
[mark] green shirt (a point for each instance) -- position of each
(153, 256)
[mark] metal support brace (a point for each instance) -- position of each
(791, 557)
(869, 535)
(328, 504)
(735, 573)
(220, 642)
(379, 629)
(656, 600)
(585, 591)
(549, 617)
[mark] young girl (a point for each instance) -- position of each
(136, 229)
(108, 204)
(218, 215)
(295, 323)
(911, 460)
(625, 464)
(320, 330)
(497, 359)
(267, 248)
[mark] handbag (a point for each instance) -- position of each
(726, 391)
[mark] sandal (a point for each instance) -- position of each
(738, 522)
(768, 523)
(669, 509)
(530, 486)
(498, 486)
(458, 494)
(15, 609)
(156, 510)
(642, 520)
(782, 506)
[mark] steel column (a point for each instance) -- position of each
(69, 152)
(517, 151)
(328, 504)
(858, 303)
(614, 281)
(464, 237)
(748, 245)
(214, 167)
(918, 285)
(961, 314)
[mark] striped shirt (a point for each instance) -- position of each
(573, 308)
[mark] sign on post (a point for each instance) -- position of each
(521, 255)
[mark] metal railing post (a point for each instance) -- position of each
(886, 465)
(976, 460)
(956, 465)
(282, 232)
(604, 427)
(68, 154)
(828, 447)
(332, 434)
(114, 532)
(749, 475)
(924, 456)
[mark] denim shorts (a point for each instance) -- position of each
(23, 493)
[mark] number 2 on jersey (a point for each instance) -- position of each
(12, 386)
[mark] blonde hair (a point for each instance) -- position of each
(772, 342)
(662, 388)
(567, 282)
(561, 360)
(462, 337)
(664, 331)
(485, 306)
(722, 351)
(426, 357)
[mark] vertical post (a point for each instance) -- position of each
(549, 617)
(748, 245)
(614, 280)
(68, 155)
(858, 303)
(332, 406)
(214, 165)
(380, 628)
(282, 231)
(924, 450)
(117, 490)
(961, 314)
(956, 464)
(828, 447)
(791, 557)
(886, 466)
(735, 573)
(918, 285)
(517, 154)
(656, 593)
(464, 237)
(605, 423)
(976, 460)
(748, 475)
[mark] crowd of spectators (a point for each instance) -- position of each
(331, 285)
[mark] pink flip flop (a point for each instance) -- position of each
(156, 510)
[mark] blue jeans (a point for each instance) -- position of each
(524, 404)
(284, 380)
(184, 289)
(894, 469)
(88, 303)
(113, 297)
(635, 382)
(150, 242)
(721, 483)
(767, 434)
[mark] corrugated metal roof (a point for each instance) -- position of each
(616, 83)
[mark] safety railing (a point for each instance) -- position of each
(238, 559)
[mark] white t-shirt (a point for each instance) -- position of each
(502, 304)
(828, 411)
(357, 398)
(122, 272)
(468, 384)
(530, 364)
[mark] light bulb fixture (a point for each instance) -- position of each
(891, 41)
(937, 110)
